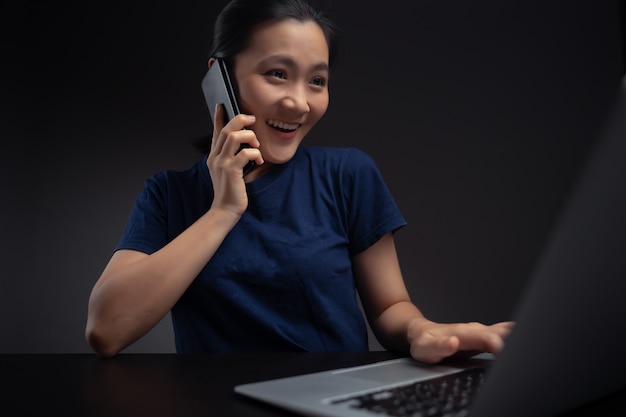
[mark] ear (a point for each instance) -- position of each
(211, 61)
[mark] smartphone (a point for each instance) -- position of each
(218, 88)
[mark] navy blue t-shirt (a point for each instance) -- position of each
(282, 279)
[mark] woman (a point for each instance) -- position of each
(272, 260)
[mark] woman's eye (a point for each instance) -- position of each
(319, 81)
(277, 73)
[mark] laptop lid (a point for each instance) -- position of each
(567, 345)
(566, 348)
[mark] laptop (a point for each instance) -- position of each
(567, 348)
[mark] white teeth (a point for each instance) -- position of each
(281, 125)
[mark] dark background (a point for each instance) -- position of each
(479, 113)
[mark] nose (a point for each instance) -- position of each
(296, 99)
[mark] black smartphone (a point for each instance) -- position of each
(218, 88)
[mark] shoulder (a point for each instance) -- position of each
(167, 186)
(196, 173)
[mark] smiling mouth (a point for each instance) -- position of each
(282, 126)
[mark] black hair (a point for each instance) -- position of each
(237, 20)
(231, 33)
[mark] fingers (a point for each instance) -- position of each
(502, 329)
(440, 341)
(229, 138)
(481, 338)
(492, 342)
(432, 349)
(233, 131)
(251, 154)
(494, 336)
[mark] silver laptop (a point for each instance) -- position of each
(567, 348)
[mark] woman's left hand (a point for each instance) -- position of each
(432, 342)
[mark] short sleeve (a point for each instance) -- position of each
(146, 229)
(371, 209)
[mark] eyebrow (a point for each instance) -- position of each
(287, 61)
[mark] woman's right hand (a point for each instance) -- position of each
(226, 162)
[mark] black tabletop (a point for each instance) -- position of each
(152, 384)
(169, 384)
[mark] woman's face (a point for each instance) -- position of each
(282, 79)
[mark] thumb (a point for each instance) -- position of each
(435, 348)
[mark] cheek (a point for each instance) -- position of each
(252, 98)
(319, 105)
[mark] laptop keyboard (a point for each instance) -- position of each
(446, 396)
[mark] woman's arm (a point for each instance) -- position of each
(398, 323)
(135, 290)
